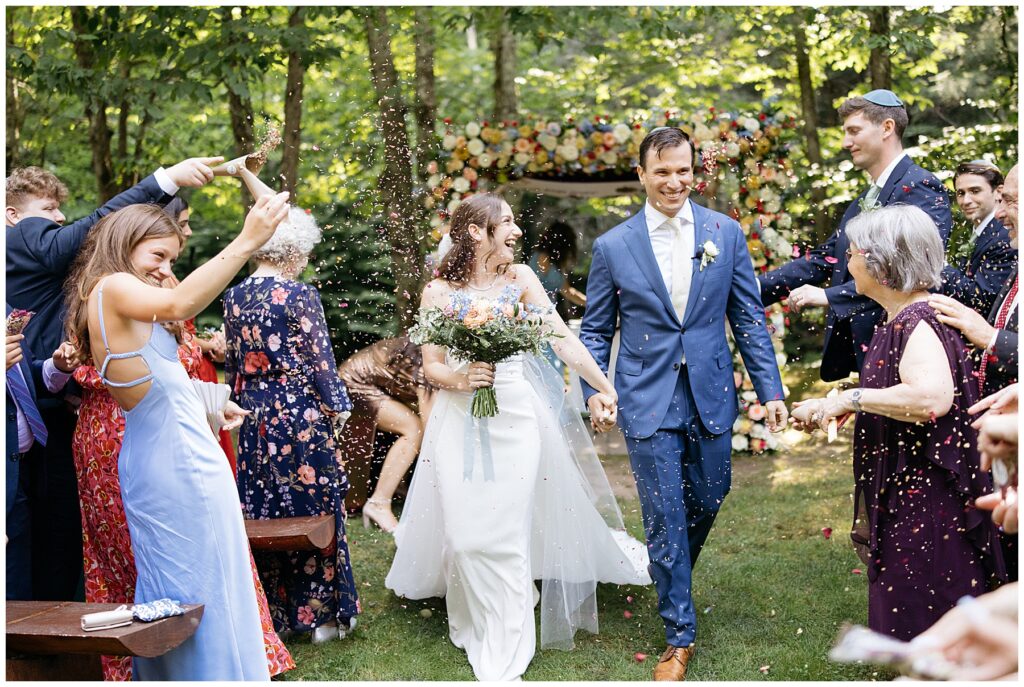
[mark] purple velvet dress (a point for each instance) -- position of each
(915, 526)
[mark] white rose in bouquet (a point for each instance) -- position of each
(453, 203)
(472, 130)
(461, 184)
(569, 153)
(702, 133)
(484, 160)
(751, 124)
(732, 149)
(449, 142)
(740, 442)
(548, 141)
(523, 158)
(621, 132)
(609, 157)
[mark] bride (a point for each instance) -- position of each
(517, 497)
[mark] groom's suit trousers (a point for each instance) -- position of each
(682, 475)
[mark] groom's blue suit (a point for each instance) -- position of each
(676, 417)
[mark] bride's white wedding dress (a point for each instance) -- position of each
(528, 500)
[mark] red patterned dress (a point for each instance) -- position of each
(106, 545)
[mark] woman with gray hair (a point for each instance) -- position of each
(280, 365)
(915, 459)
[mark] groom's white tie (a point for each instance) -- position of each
(682, 265)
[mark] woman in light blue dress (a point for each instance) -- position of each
(551, 261)
(183, 511)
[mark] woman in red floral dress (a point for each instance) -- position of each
(106, 545)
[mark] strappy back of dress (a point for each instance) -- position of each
(116, 356)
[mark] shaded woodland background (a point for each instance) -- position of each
(101, 96)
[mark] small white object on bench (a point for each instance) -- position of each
(106, 620)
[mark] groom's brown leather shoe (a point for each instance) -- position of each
(672, 664)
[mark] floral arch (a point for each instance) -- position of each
(745, 172)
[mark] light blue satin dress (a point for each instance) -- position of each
(186, 523)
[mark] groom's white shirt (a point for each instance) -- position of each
(661, 236)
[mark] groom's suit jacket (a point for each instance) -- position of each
(625, 284)
(852, 317)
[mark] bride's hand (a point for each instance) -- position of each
(480, 375)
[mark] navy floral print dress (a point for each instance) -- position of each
(280, 366)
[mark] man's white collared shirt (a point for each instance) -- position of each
(661, 236)
(883, 178)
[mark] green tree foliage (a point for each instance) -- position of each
(168, 80)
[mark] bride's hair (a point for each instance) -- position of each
(481, 209)
(107, 250)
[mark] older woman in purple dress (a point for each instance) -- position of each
(915, 455)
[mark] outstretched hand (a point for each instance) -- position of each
(263, 218)
(232, 415)
(193, 172)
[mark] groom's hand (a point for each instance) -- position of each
(777, 415)
(603, 412)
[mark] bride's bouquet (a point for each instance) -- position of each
(482, 330)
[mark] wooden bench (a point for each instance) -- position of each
(45, 639)
(291, 534)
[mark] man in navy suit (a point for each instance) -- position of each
(671, 275)
(25, 429)
(873, 128)
(39, 253)
(985, 259)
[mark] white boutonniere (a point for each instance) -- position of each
(709, 251)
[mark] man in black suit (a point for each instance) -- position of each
(873, 128)
(984, 258)
(995, 336)
(39, 253)
(25, 379)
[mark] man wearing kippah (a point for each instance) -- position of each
(983, 260)
(873, 128)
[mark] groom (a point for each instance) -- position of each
(671, 275)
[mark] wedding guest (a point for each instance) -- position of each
(552, 261)
(26, 380)
(985, 259)
(211, 347)
(39, 253)
(915, 465)
(109, 564)
(386, 384)
(873, 127)
(281, 367)
(995, 337)
(997, 444)
(186, 526)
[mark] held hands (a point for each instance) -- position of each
(14, 355)
(807, 296)
(815, 413)
(67, 358)
(955, 314)
(193, 172)
(262, 220)
(232, 415)
(479, 375)
(604, 411)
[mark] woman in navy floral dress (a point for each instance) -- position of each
(280, 365)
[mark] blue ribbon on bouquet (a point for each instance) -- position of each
(469, 448)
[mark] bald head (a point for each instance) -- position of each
(1006, 206)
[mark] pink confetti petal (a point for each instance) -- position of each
(629, 599)
(627, 614)
(826, 532)
(639, 657)
(857, 571)
(830, 260)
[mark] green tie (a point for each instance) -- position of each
(872, 195)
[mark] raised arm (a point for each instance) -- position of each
(315, 347)
(134, 299)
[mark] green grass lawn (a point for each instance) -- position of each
(770, 589)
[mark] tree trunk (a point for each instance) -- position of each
(402, 214)
(809, 109)
(879, 63)
(14, 115)
(96, 112)
(292, 137)
(239, 105)
(425, 107)
(504, 46)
